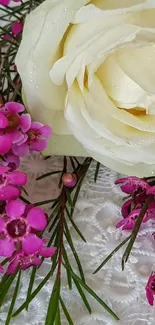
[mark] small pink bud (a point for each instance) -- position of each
(69, 180)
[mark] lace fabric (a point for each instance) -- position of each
(96, 214)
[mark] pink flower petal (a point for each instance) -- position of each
(4, 2)
(37, 261)
(3, 121)
(47, 251)
(17, 27)
(12, 161)
(25, 122)
(4, 169)
(36, 219)
(7, 247)
(9, 192)
(36, 125)
(149, 296)
(17, 136)
(5, 143)
(46, 131)
(2, 224)
(38, 145)
(21, 151)
(17, 178)
(13, 107)
(12, 268)
(23, 140)
(15, 208)
(31, 244)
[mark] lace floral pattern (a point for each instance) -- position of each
(96, 214)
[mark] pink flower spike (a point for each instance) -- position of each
(31, 244)
(5, 143)
(36, 219)
(150, 289)
(17, 27)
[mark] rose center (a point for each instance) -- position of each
(13, 122)
(16, 228)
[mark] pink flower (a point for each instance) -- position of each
(10, 160)
(9, 183)
(132, 184)
(126, 208)
(25, 261)
(17, 227)
(17, 27)
(150, 289)
(7, 2)
(69, 180)
(37, 136)
(13, 123)
(5, 143)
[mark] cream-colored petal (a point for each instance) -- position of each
(41, 46)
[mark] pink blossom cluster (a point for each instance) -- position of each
(138, 189)
(20, 224)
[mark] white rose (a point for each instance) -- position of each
(88, 69)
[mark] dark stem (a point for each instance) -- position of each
(62, 224)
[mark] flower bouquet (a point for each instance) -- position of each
(76, 79)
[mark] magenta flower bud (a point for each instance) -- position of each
(69, 180)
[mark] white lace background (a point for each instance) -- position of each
(96, 214)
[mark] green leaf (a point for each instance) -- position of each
(37, 204)
(58, 318)
(75, 226)
(97, 171)
(53, 303)
(70, 242)
(5, 287)
(32, 278)
(68, 317)
(83, 296)
(48, 174)
(9, 315)
(112, 254)
(135, 231)
(69, 199)
(67, 263)
(94, 295)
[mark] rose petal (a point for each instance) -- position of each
(9, 192)
(17, 178)
(15, 208)
(36, 219)
(25, 122)
(7, 247)
(31, 244)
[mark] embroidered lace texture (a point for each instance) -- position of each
(96, 214)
